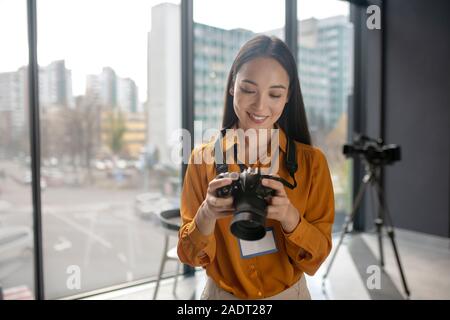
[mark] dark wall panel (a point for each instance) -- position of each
(417, 113)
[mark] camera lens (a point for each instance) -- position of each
(248, 226)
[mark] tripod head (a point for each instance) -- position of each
(372, 150)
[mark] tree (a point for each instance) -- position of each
(72, 135)
(115, 130)
(85, 129)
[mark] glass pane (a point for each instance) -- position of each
(325, 63)
(110, 100)
(16, 210)
(220, 29)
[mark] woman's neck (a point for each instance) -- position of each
(263, 140)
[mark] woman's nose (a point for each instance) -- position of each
(259, 104)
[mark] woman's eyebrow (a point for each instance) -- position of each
(274, 86)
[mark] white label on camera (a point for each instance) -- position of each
(266, 245)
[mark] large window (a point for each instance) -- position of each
(325, 62)
(110, 112)
(16, 223)
(220, 29)
(109, 77)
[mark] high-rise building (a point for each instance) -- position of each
(13, 109)
(55, 90)
(315, 83)
(215, 50)
(325, 54)
(127, 95)
(324, 58)
(55, 86)
(103, 87)
(112, 91)
(164, 81)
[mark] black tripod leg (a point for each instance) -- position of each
(348, 221)
(390, 232)
(379, 227)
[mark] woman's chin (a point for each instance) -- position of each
(250, 124)
(266, 124)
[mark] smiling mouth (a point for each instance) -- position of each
(257, 119)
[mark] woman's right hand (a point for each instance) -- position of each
(217, 207)
(214, 207)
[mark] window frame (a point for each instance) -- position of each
(187, 114)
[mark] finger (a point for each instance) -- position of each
(225, 209)
(218, 202)
(218, 183)
(279, 201)
(224, 214)
(272, 213)
(273, 184)
(224, 202)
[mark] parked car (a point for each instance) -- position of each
(27, 180)
(15, 241)
(149, 205)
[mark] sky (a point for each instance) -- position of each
(92, 34)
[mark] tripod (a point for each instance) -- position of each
(372, 179)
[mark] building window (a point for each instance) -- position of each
(16, 209)
(106, 138)
(325, 58)
(228, 30)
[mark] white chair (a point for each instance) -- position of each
(170, 221)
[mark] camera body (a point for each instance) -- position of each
(249, 199)
(373, 150)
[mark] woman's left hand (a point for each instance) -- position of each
(280, 207)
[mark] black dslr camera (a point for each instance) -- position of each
(249, 199)
(372, 150)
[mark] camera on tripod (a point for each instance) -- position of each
(375, 154)
(374, 151)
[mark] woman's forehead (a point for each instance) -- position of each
(263, 70)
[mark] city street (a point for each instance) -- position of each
(93, 229)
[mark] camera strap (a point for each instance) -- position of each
(219, 156)
(290, 159)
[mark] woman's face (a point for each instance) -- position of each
(260, 93)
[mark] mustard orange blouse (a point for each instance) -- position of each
(302, 250)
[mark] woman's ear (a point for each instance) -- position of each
(231, 91)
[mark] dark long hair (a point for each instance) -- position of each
(293, 119)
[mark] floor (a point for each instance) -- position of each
(425, 259)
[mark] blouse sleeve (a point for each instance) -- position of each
(194, 248)
(309, 243)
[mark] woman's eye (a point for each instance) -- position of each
(246, 91)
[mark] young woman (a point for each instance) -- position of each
(263, 92)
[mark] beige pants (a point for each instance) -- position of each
(298, 291)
